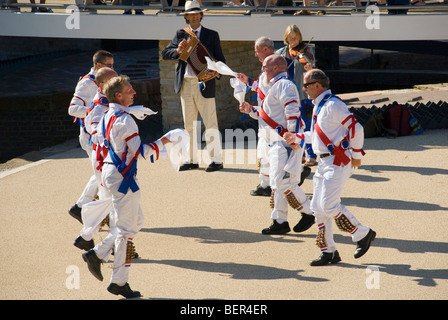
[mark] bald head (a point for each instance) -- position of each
(280, 62)
(274, 65)
(103, 75)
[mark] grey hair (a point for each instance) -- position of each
(317, 75)
(265, 42)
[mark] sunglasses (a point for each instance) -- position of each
(110, 65)
(305, 85)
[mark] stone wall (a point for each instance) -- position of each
(239, 57)
(31, 123)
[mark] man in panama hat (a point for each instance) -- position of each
(196, 97)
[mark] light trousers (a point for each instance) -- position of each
(193, 103)
(328, 183)
(281, 181)
(262, 155)
(128, 222)
(91, 189)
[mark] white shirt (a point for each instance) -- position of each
(282, 104)
(85, 91)
(124, 136)
(330, 119)
(94, 117)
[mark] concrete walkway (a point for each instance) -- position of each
(202, 235)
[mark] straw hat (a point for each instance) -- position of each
(192, 7)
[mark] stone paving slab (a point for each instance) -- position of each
(201, 238)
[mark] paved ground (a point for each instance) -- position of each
(202, 240)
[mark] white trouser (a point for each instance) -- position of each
(281, 180)
(128, 222)
(193, 103)
(91, 189)
(328, 182)
(262, 155)
(89, 193)
(93, 212)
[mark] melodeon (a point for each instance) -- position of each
(194, 54)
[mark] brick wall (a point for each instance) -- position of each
(30, 123)
(240, 58)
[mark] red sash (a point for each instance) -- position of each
(274, 125)
(338, 151)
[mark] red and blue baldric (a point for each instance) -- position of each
(338, 151)
(99, 157)
(278, 127)
(127, 171)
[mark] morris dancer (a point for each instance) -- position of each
(263, 48)
(121, 137)
(85, 91)
(338, 138)
(278, 114)
(98, 107)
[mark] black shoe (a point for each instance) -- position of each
(260, 191)
(125, 291)
(83, 244)
(326, 258)
(188, 166)
(277, 228)
(214, 167)
(305, 223)
(305, 173)
(75, 212)
(93, 263)
(364, 244)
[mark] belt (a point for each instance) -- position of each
(324, 155)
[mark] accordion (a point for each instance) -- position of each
(194, 54)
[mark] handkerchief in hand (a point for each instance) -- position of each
(179, 150)
(141, 112)
(221, 67)
(239, 89)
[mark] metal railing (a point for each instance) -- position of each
(163, 7)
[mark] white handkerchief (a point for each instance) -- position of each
(179, 150)
(141, 112)
(239, 89)
(221, 67)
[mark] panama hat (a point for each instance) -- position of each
(192, 6)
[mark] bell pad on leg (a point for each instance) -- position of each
(320, 238)
(292, 200)
(344, 224)
(130, 252)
